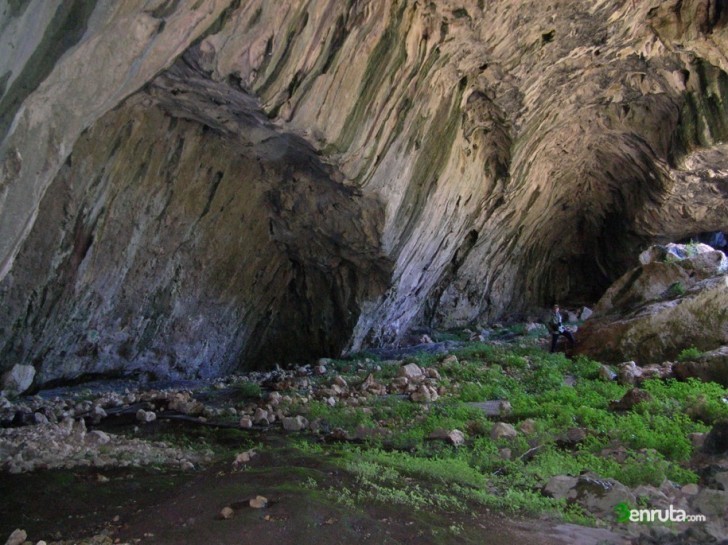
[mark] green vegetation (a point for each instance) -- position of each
(402, 465)
(689, 354)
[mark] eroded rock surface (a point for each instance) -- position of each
(655, 311)
(188, 187)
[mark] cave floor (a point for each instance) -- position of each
(155, 506)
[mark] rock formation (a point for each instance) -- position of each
(664, 306)
(189, 186)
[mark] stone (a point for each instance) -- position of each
(528, 426)
(295, 423)
(450, 359)
(454, 437)
(560, 487)
(697, 439)
(244, 458)
(502, 430)
(403, 209)
(341, 382)
(17, 537)
(651, 314)
(606, 373)
(261, 415)
(246, 422)
(630, 399)
(628, 373)
(505, 453)
(600, 496)
(227, 513)
(690, 489)
(145, 416)
(186, 465)
(97, 437)
(585, 313)
(710, 366)
(18, 379)
(411, 371)
(259, 502)
(711, 503)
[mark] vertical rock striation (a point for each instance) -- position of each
(239, 182)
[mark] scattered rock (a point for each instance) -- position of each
(628, 373)
(505, 453)
(295, 423)
(18, 379)
(97, 437)
(710, 366)
(259, 502)
(560, 486)
(503, 430)
(246, 422)
(17, 537)
(697, 439)
(146, 416)
(227, 513)
(454, 437)
(630, 399)
(600, 496)
(411, 371)
(528, 426)
(690, 489)
(244, 457)
(711, 503)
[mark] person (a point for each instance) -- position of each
(556, 327)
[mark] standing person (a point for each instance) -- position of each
(556, 327)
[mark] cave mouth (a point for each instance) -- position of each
(186, 236)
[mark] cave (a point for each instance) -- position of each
(187, 192)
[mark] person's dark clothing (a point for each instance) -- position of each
(557, 329)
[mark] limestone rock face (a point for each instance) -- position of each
(191, 186)
(658, 309)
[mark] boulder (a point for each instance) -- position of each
(711, 503)
(454, 437)
(652, 327)
(18, 379)
(630, 399)
(710, 366)
(560, 486)
(411, 371)
(503, 430)
(17, 537)
(601, 496)
(295, 423)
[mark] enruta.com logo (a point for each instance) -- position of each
(626, 514)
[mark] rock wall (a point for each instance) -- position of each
(189, 186)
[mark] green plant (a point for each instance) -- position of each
(248, 389)
(689, 354)
(676, 289)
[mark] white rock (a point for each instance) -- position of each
(227, 513)
(411, 371)
(246, 422)
(97, 437)
(502, 429)
(296, 423)
(18, 379)
(17, 537)
(145, 416)
(259, 502)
